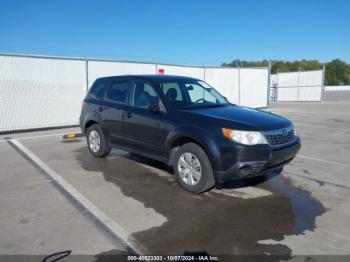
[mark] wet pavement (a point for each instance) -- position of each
(210, 222)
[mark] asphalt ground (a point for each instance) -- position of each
(54, 196)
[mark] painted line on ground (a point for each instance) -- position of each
(322, 160)
(112, 226)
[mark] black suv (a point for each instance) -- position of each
(187, 124)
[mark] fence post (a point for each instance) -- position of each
(298, 91)
(277, 86)
(204, 72)
(239, 84)
(323, 78)
(87, 74)
(268, 84)
(156, 64)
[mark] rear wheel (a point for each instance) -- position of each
(193, 169)
(97, 142)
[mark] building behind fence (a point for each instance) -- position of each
(41, 92)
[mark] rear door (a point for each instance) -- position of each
(141, 124)
(113, 108)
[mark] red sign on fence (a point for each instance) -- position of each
(161, 71)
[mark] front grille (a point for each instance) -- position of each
(280, 138)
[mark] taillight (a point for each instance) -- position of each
(83, 105)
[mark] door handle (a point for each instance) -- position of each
(128, 114)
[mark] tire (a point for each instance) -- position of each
(187, 175)
(103, 148)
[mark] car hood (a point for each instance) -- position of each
(243, 117)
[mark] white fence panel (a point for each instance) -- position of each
(113, 68)
(310, 85)
(225, 80)
(287, 84)
(289, 79)
(287, 94)
(310, 78)
(40, 92)
(310, 93)
(299, 86)
(337, 88)
(195, 72)
(253, 87)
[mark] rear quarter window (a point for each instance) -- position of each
(98, 89)
(118, 91)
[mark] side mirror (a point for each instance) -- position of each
(156, 106)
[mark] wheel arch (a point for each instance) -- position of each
(184, 138)
(88, 124)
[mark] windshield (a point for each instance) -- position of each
(192, 94)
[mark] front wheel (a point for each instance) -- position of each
(97, 143)
(193, 169)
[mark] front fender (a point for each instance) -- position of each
(202, 137)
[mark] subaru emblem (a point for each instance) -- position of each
(284, 131)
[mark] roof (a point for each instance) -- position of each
(156, 77)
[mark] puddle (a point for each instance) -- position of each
(212, 223)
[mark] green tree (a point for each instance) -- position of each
(337, 73)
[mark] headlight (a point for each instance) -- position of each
(244, 137)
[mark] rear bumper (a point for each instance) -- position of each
(275, 159)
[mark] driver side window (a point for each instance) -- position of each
(143, 94)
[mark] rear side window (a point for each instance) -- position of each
(118, 91)
(98, 89)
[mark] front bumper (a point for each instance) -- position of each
(274, 159)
